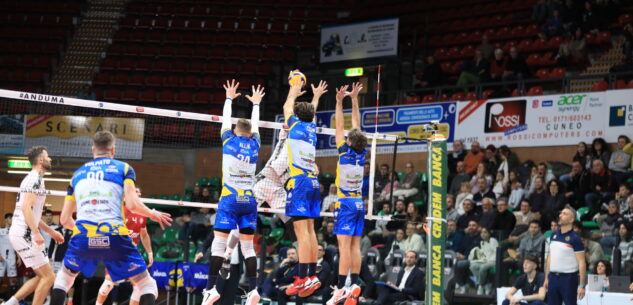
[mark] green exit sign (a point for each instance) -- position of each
(351, 72)
(19, 164)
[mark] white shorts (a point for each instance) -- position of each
(8, 268)
(31, 256)
(266, 190)
(57, 266)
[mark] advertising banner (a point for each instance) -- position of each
(163, 273)
(438, 175)
(71, 136)
(12, 134)
(195, 275)
(618, 115)
(547, 120)
(359, 40)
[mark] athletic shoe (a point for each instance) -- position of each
(252, 298)
(338, 295)
(210, 296)
(225, 271)
(354, 293)
(311, 285)
(296, 286)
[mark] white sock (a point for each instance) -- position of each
(12, 301)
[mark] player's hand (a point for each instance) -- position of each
(295, 91)
(631, 287)
(320, 89)
(515, 300)
(38, 239)
(231, 89)
(1, 259)
(356, 88)
(341, 93)
(581, 293)
(199, 255)
(162, 218)
(150, 259)
(58, 237)
(258, 94)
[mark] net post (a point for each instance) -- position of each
(372, 175)
(393, 170)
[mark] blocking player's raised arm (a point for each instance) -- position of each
(317, 92)
(231, 93)
(338, 115)
(356, 88)
(256, 99)
(293, 94)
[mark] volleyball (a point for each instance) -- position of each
(296, 77)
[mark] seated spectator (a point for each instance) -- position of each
(396, 242)
(583, 155)
(401, 208)
(410, 283)
(365, 188)
(86, 93)
(620, 162)
(470, 240)
(473, 71)
(500, 187)
(504, 220)
(509, 158)
(473, 158)
(453, 236)
(413, 214)
(555, 202)
(386, 193)
(516, 195)
(603, 268)
(323, 271)
(491, 160)
(197, 195)
(529, 183)
(383, 178)
(432, 74)
(328, 233)
(187, 226)
(577, 185)
(573, 50)
(455, 157)
(206, 196)
(488, 214)
(459, 177)
(275, 288)
(498, 65)
(413, 241)
(485, 47)
(590, 19)
(517, 68)
(469, 215)
(530, 283)
(609, 225)
(600, 186)
(545, 173)
(464, 193)
(482, 172)
(537, 199)
(451, 211)
(482, 259)
(380, 232)
(484, 192)
(628, 213)
(600, 150)
(532, 243)
(203, 217)
(622, 197)
(593, 250)
(554, 25)
(523, 219)
(330, 199)
(540, 12)
(409, 185)
(625, 244)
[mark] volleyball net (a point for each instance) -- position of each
(66, 125)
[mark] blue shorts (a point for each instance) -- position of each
(303, 196)
(119, 255)
(349, 217)
(237, 212)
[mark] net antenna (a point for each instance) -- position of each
(372, 162)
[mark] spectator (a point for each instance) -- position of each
(409, 185)
(600, 186)
(202, 217)
(451, 211)
(600, 150)
(500, 188)
(529, 183)
(432, 75)
(414, 216)
(603, 267)
(625, 244)
(456, 156)
(544, 172)
(627, 46)
(530, 284)
(517, 68)
(583, 155)
(553, 227)
(484, 192)
(554, 25)
(539, 12)
(622, 197)
(86, 93)
(197, 195)
(459, 177)
(508, 158)
(381, 232)
(537, 199)
(608, 227)
(485, 47)
(276, 288)
(491, 161)
(413, 241)
(410, 283)
(187, 226)
(498, 65)
(470, 240)
(323, 269)
(620, 161)
(481, 173)
(400, 208)
(206, 196)
(397, 242)
(570, 13)
(464, 193)
(572, 51)
(469, 215)
(555, 202)
(532, 243)
(328, 233)
(523, 219)
(578, 184)
(590, 19)
(386, 193)
(504, 220)
(516, 195)
(488, 214)
(593, 251)
(453, 236)
(482, 259)
(473, 158)
(331, 198)
(628, 213)
(383, 178)
(473, 71)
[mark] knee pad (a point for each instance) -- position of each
(136, 295)
(144, 284)
(65, 279)
(233, 239)
(106, 287)
(218, 246)
(248, 250)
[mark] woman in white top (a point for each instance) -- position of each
(482, 259)
(464, 193)
(413, 241)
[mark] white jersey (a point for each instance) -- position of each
(6, 251)
(276, 169)
(32, 181)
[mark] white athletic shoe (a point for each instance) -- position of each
(252, 298)
(338, 295)
(210, 296)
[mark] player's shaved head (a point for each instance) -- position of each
(103, 142)
(304, 111)
(243, 126)
(357, 139)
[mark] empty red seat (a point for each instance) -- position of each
(165, 96)
(558, 73)
(112, 95)
(629, 85)
(536, 90)
(487, 93)
(472, 95)
(202, 97)
(147, 96)
(190, 81)
(137, 80)
(184, 97)
(620, 84)
(428, 98)
(130, 95)
(542, 73)
(101, 79)
(458, 96)
(119, 79)
(600, 86)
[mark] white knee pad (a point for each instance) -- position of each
(218, 246)
(248, 250)
(143, 284)
(106, 287)
(65, 279)
(136, 294)
(234, 238)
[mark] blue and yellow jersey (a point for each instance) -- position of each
(98, 189)
(349, 171)
(239, 162)
(302, 142)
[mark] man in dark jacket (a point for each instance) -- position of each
(408, 287)
(504, 221)
(517, 68)
(469, 215)
(432, 74)
(283, 278)
(577, 185)
(601, 186)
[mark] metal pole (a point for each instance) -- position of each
(393, 170)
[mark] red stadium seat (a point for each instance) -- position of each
(190, 81)
(536, 90)
(143, 65)
(147, 96)
(137, 80)
(472, 95)
(119, 79)
(202, 97)
(171, 81)
(629, 85)
(558, 73)
(429, 98)
(184, 97)
(101, 79)
(620, 84)
(542, 73)
(154, 81)
(130, 95)
(600, 86)
(487, 93)
(458, 96)
(112, 95)
(165, 96)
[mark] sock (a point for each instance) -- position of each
(58, 297)
(312, 269)
(12, 301)
(303, 270)
(354, 278)
(341, 281)
(252, 283)
(211, 281)
(70, 299)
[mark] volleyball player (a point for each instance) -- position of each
(96, 192)
(25, 236)
(237, 207)
(303, 202)
(137, 227)
(349, 211)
